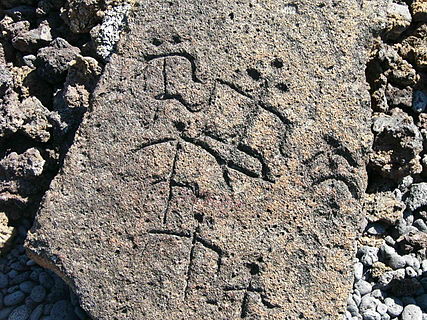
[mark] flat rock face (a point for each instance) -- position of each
(218, 174)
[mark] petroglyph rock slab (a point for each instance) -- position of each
(219, 172)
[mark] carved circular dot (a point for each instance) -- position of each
(156, 42)
(277, 63)
(180, 126)
(253, 73)
(282, 87)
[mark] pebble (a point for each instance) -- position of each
(27, 286)
(14, 298)
(412, 312)
(37, 313)
(394, 306)
(382, 308)
(46, 280)
(38, 293)
(368, 255)
(396, 262)
(368, 303)
(20, 313)
(363, 287)
(358, 270)
(371, 315)
(420, 225)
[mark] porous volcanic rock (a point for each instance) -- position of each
(218, 172)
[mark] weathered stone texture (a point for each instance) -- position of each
(219, 172)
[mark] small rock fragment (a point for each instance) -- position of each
(398, 20)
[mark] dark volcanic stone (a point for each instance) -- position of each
(208, 182)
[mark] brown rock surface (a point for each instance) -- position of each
(219, 171)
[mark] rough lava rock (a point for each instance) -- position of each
(219, 170)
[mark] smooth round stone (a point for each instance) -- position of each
(368, 255)
(38, 293)
(20, 313)
(358, 271)
(394, 306)
(385, 317)
(352, 307)
(27, 286)
(46, 280)
(37, 313)
(14, 298)
(420, 225)
(357, 298)
(23, 276)
(412, 312)
(34, 275)
(363, 287)
(371, 315)
(368, 303)
(382, 308)
(4, 281)
(396, 262)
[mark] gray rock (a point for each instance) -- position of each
(106, 35)
(45, 280)
(32, 40)
(27, 286)
(358, 270)
(420, 225)
(53, 61)
(20, 313)
(82, 16)
(398, 20)
(394, 306)
(397, 137)
(37, 313)
(368, 303)
(382, 308)
(363, 287)
(368, 255)
(417, 196)
(371, 315)
(396, 262)
(38, 293)
(14, 298)
(412, 312)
